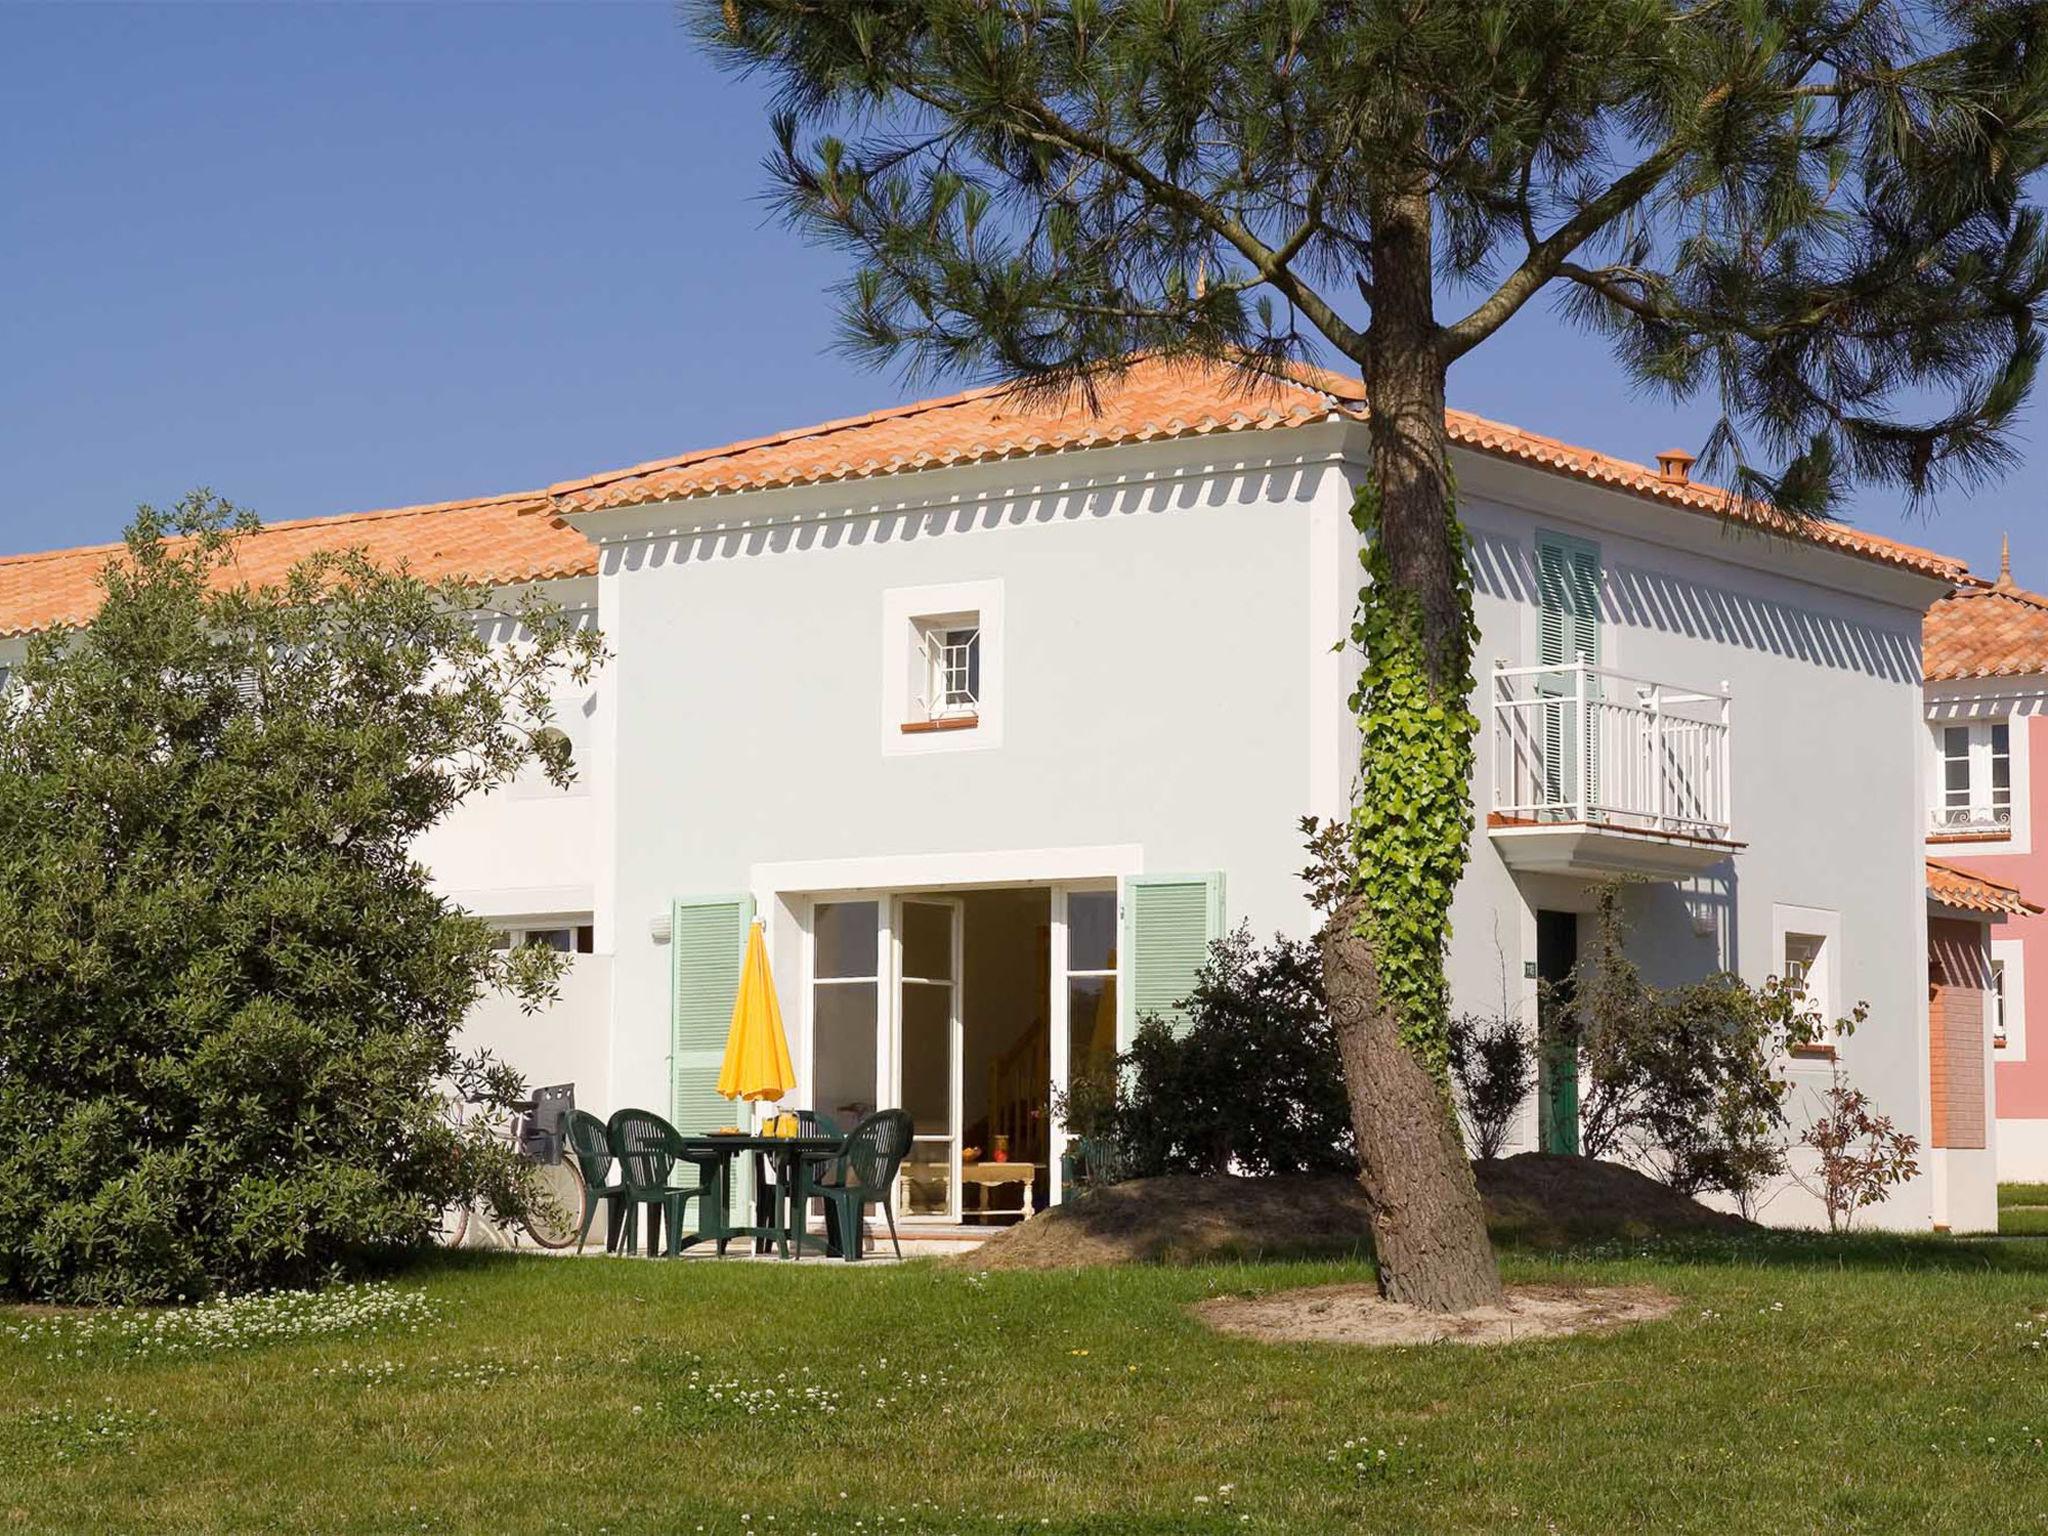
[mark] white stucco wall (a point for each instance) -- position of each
(1825, 767)
(1166, 635)
(562, 1043)
(1170, 702)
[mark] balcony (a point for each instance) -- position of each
(1597, 774)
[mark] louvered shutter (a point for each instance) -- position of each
(707, 941)
(1169, 923)
(1568, 628)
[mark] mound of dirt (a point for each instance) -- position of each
(1534, 1199)
(1543, 1200)
(1358, 1314)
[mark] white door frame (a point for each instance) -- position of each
(1059, 1002)
(955, 1033)
(800, 888)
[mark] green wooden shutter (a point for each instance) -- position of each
(1568, 592)
(1568, 603)
(1169, 923)
(707, 942)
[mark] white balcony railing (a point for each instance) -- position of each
(1970, 821)
(1577, 744)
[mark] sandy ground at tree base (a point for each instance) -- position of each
(1358, 1314)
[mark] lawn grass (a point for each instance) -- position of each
(1807, 1383)
(2023, 1210)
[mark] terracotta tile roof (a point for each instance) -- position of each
(520, 537)
(508, 539)
(1958, 888)
(1154, 399)
(1986, 630)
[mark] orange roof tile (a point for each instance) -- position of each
(1154, 399)
(1985, 630)
(521, 537)
(1966, 892)
(510, 538)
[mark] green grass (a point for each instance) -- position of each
(2023, 1210)
(1806, 1384)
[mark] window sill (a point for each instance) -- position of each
(1813, 1053)
(943, 723)
(2002, 835)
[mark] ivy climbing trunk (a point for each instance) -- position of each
(1383, 949)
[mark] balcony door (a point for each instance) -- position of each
(1568, 632)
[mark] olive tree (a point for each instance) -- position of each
(229, 995)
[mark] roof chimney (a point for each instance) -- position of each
(2005, 561)
(1674, 466)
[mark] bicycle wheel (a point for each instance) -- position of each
(453, 1226)
(557, 1215)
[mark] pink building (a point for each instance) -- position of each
(1986, 666)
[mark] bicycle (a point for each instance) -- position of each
(554, 1218)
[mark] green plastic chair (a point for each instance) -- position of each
(648, 1149)
(1088, 1162)
(861, 1173)
(586, 1138)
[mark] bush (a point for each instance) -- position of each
(228, 994)
(1685, 1082)
(1493, 1066)
(1860, 1156)
(1252, 1084)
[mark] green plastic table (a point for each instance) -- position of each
(787, 1226)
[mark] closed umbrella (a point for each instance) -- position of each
(757, 1065)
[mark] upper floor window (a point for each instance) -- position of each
(1974, 794)
(948, 687)
(942, 668)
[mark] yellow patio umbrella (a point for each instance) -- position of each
(757, 1064)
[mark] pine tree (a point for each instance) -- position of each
(1813, 212)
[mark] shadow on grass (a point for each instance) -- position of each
(1773, 1249)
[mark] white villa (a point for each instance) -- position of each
(995, 713)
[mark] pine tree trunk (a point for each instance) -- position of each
(1390, 1011)
(1428, 1227)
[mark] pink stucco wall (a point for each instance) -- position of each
(2022, 1086)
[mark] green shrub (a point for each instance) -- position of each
(1250, 1084)
(228, 994)
(1493, 1066)
(1685, 1082)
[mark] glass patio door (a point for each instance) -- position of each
(1084, 1001)
(927, 1052)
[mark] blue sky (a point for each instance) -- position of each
(329, 258)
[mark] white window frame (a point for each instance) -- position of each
(910, 616)
(1824, 924)
(949, 644)
(518, 931)
(2009, 957)
(1059, 1019)
(1979, 815)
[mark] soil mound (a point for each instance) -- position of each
(1534, 1199)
